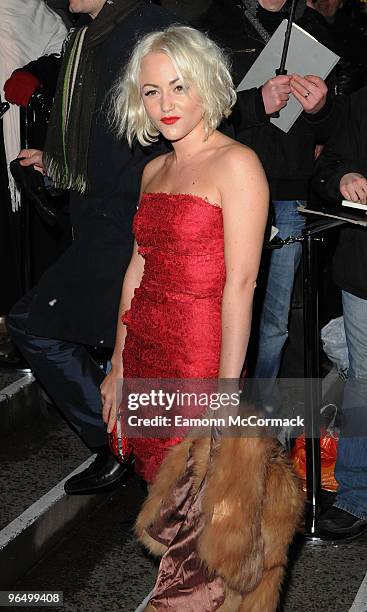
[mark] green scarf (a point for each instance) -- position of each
(66, 151)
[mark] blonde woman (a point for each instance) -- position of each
(187, 295)
(186, 307)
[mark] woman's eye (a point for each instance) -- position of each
(150, 92)
(179, 88)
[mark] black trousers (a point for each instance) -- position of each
(68, 373)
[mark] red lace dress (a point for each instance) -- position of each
(174, 323)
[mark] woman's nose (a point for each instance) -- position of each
(167, 103)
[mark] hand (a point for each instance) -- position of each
(318, 151)
(275, 93)
(353, 187)
(310, 91)
(20, 86)
(33, 157)
(110, 389)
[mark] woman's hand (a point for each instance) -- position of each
(110, 391)
(353, 186)
(33, 157)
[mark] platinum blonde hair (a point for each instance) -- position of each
(198, 61)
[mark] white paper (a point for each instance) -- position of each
(334, 215)
(273, 232)
(305, 56)
(358, 205)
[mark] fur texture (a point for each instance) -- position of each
(252, 505)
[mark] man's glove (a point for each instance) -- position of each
(20, 86)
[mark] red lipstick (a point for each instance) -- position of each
(169, 120)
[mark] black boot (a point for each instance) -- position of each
(104, 472)
(336, 523)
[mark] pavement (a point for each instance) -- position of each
(85, 546)
(100, 566)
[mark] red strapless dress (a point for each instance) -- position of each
(174, 323)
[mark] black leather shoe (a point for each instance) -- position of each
(103, 473)
(337, 523)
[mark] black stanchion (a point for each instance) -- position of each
(312, 236)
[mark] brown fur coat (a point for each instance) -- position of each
(252, 505)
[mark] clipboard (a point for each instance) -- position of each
(305, 56)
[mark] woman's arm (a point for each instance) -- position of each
(109, 386)
(132, 280)
(245, 201)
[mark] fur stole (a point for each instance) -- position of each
(252, 505)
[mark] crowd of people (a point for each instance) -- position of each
(173, 177)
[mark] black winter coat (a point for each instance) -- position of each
(288, 159)
(347, 152)
(348, 29)
(77, 299)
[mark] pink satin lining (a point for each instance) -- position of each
(183, 583)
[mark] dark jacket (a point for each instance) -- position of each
(347, 152)
(348, 28)
(77, 299)
(288, 159)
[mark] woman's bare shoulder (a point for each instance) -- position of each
(152, 168)
(238, 169)
(232, 155)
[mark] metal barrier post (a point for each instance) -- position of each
(313, 392)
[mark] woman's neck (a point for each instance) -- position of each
(191, 145)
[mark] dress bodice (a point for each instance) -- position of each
(181, 238)
(174, 322)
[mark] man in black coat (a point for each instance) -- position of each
(287, 157)
(347, 24)
(76, 302)
(342, 173)
(244, 27)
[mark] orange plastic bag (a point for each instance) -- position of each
(329, 447)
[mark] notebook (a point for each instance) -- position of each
(305, 56)
(357, 205)
(335, 211)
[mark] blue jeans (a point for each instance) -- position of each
(275, 309)
(351, 465)
(68, 373)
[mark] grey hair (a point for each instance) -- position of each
(199, 62)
